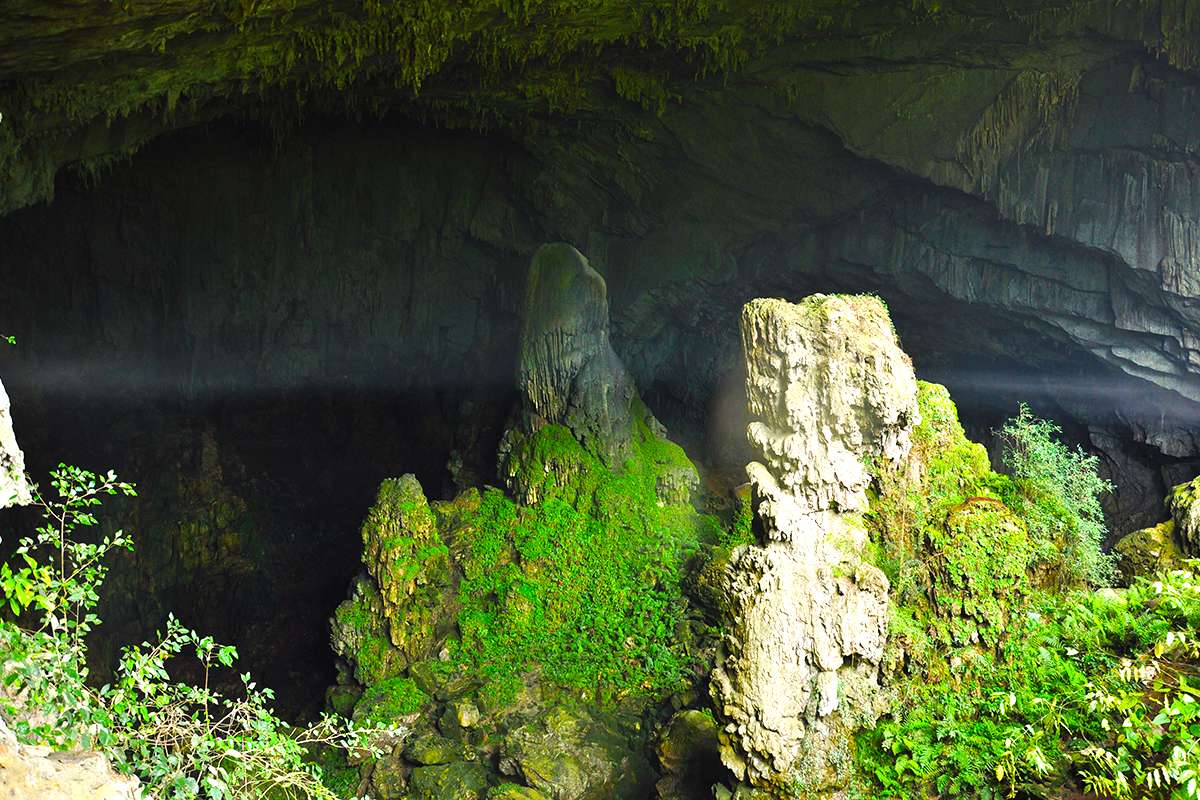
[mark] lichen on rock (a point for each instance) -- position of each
(831, 392)
(396, 610)
(1183, 504)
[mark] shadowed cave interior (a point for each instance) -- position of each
(262, 258)
(257, 334)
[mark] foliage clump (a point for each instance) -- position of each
(1060, 491)
(1013, 676)
(182, 740)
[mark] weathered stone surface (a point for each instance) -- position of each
(14, 491)
(1147, 551)
(569, 755)
(689, 753)
(511, 791)
(36, 773)
(830, 391)
(1184, 504)
(406, 556)
(570, 376)
(569, 373)
(825, 401)
(460, 780)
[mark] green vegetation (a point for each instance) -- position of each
(1012, 677)
(181, 740)
(1060, 499)
(389, 700)
(584, 585)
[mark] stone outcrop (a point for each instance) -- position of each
(14, 490)
(830, 394)
(580, 410)
(568, 372)
(37, 773)
(1163, 546)
(398, 609)
(1184, 504)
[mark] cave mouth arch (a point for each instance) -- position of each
(259, 335)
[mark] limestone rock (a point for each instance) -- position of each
(431, 749)
(1185, 510)
(1147, 551)
(460, 780)
(359, 635)
(571, 756)
(689, 755)
(14, 491)
(579, 408)
(569, 373)
(511, 791)
(36, 773)
(830, 392)
(404, 553)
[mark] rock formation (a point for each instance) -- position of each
(36, 773)
(1163, 546)
(14, 491)
(831, 393)
(578, 402)
(569, 373)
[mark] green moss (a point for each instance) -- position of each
(405, 554)
(389, 700)
(583, 586)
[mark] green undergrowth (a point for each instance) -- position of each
(586, 584)
(1013, 674)
(581, 590)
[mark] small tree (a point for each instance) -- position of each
(1063, 509)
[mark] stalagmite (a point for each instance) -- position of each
(569, 373)
(830, 393)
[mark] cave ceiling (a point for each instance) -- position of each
(1017, 179)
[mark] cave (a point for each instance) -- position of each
(260, 259)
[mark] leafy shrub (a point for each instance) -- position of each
(1012, 678)
(181, 740)
(1061, 499)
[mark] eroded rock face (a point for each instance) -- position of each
(36, 773)
(395, 612)
(830, 392)
(14, 491)
(579, 409)
(569, 373)
(1184, 504)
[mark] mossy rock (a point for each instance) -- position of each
(1185, 510)
(513, 791)
(431, 749)
(460, 780)
(570, 755)
(979, 560)
(392, 701)
(404, 552)
(341, 699)
(689, 753)
(359, 635)
(1147, 551)
(389, 778)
